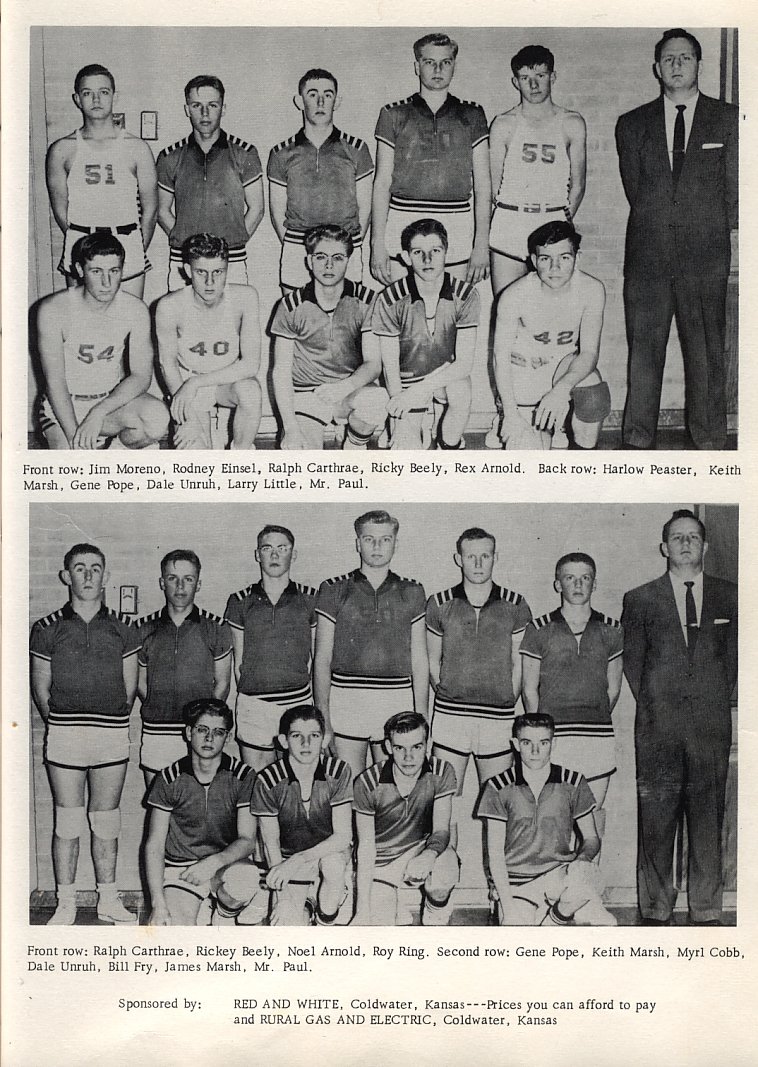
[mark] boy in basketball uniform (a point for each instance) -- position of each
(209, 347)
(101, 178)
(325, 355)
(83, 336)
(537, 164)
(426, 324)
(547, 343)
(320, 176)
(84, 680)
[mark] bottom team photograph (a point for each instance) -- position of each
(383, 715)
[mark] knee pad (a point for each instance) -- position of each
(70, 823)
(592, 403)
(106, 824)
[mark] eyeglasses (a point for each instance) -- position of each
(206, 731)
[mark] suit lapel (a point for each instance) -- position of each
(657, 133)
(668, 603)
(697, 135)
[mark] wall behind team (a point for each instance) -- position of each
(600, 73)
(623, 539)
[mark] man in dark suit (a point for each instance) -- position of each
(678, 162)
(680, 659)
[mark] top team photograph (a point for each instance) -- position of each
(499, 274)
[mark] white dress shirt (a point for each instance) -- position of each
(670, 113)
(680, 592)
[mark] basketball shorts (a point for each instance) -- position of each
(293, 270)
(47, 419)
(358, 713)
(172, 879)
(135, 261)
(236, 273)
(162, 744)
(258, 716)
(510, 226)
(83, 747)
(475, 730)
(592, 754)
(456, 217)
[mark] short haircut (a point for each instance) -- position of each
(474, 533)
(96, 244)
(682, 513)
(302, 713)
(381, 518)
(316, 74)
(552, 233)
(439, 40)
(91, 71)
(670, 35)
(270, 527)
(178, 554)
(208, 706)
(405, 722)
(575, 557)
(204, 81)
(205, 246)
(82, 549)
(328, 232)
(533, 55)
(537, 720)
(423, 228)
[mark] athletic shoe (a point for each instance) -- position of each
(64, 914)
(113, 911)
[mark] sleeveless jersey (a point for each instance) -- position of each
(93, 346)
(548, 330)
(102, 190)
(208, 341)
(536, 168)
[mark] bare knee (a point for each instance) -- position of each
(332, 867)
(247, 394)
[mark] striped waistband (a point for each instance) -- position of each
(297, 237)
(89, 720)
(89, 396)
(236, 255)
(357, 681)
(163, 729)
(301, 695)
(434, 207)
(123, 230)
(468, 707)
(529, 208)
(584, 729)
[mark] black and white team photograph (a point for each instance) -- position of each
(391, 715)
(383, 238)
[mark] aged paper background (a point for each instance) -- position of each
(704, 1008)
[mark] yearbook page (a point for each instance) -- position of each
(318, 740)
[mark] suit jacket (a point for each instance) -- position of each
(684, 229)
(675, 691)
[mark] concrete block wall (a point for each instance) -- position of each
(622, 538)
(601, 73)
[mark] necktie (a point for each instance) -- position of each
(678, 156)
(690, 617)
